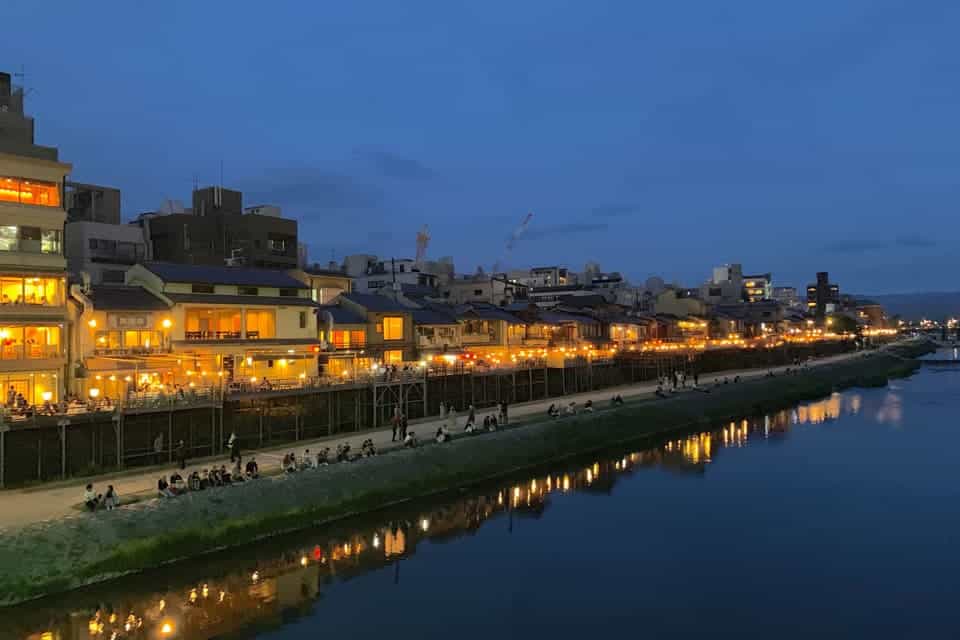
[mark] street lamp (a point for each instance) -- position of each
(94, 393)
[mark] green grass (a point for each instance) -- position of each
(347, 490)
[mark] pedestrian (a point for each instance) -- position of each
(182, 455)
(231, 443)
(503, 412)
(111, 500)
(403, 426)
(696, 378)
(395, 423)
(157, 448)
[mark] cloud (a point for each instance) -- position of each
(569, 229)
(615, 210)
(398, 167)
(311, 189)
(856, 245)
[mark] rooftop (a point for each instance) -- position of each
(125, 298)
(374, 302)
(243, 276)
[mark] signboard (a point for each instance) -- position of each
(128, 320)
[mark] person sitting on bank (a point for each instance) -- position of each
(553, 411)
(493, 423)
(90, 498)
(442, 435)
(193, 481)
(163, 488)
(290, 463)
(253, 471)
(237, 473)
(411, 440)
(176, 482)
(588, 406)
(307, 461)
(343, 452)
(572, 409)
(617, 400)
(367, 449)
(323, 457)
(225, 477)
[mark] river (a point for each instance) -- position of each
(835, 518)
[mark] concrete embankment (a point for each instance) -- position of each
(49, 557)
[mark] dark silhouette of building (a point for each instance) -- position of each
(218, 231)
(16, 128)
(92, 203)
(822, 296)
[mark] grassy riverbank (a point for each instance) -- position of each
(50, 557)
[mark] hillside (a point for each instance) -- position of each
(913, 306)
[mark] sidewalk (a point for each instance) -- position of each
(23, 506)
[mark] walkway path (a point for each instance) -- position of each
(23, 506)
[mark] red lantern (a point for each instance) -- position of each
(317, 553)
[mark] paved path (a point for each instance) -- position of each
(23, 506)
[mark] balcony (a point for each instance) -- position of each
(129, 351)
(347, 345)
(437, 342)
(478, 338)
(30, 352)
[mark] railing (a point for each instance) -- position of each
(346, 345)
(30, 302)
(477, 338)
(436, 343)
(216, 335)
(30, 352)
(180, 398)
(128, 351)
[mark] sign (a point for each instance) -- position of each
(128, 320)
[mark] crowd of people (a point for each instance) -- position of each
(19, 408)
(207, 478)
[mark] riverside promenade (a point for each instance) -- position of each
(56, 500)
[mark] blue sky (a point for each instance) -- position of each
(655, 138)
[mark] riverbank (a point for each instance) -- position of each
(56, 556)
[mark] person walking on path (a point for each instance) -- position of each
(503, 412)
(157, 448)
(182, 455)
(403, 426)
(395, 423)
(234, 444)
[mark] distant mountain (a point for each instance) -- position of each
(913, 306)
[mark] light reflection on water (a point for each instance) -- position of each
(263, 594)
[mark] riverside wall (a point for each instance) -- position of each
(55, 448)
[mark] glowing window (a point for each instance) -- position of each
(35, 192)
(393, 328)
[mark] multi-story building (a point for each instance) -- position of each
(495, 290)
(218, 231)
(758, 287)
(92, 203)
(103, 251)
(33, 320)
(246, 324)
(370, 274)
(787, 296)
(541, 276)
(389, 326)
(726, 286)
(823, 296)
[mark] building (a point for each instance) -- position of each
(103, 251)
(121, 340)
(823, 297)
(16, 127)
(871, 314)
(678, 302)
(542, 276)
(370, 274)
(787, 296)
(236, 323)
(388, 326)
(495, 290)
(325, 284)
(33, 316)
(217, 232)
(758, 287)
(92, 203)
(438, 332)
(343, 335)
(488, 329)
(725, 287)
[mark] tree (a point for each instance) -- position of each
(840, 323)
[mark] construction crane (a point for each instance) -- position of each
(512, 240)
(423, 239)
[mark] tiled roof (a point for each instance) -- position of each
(432, 316)
(484, 312)
(558, 317)
(341, 315)
(375, 302)
(108, 297)
(260, 301)
(243, 276)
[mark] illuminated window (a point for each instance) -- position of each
(35, 192)
(212, 324)
(31, 291)
(29, 343)
(393, 357)
(393, 328)
(8, 238)
(260, 324)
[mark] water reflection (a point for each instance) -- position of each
(271, 592)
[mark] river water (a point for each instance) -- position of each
(835, 518)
